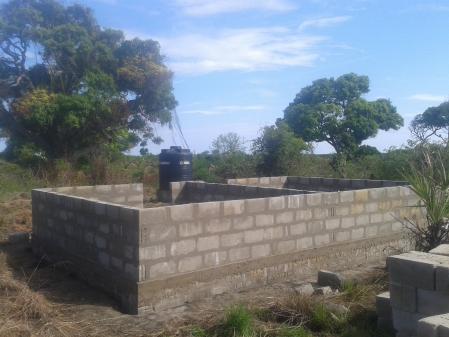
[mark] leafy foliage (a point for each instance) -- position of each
(227, 159)
(228, 143)
(84, 88)
(434, 121)
(278, 150)
(333, 111)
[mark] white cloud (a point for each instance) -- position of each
(213, 7)
(248, 49)
(428, 98)
(224, 109)
(323, 22)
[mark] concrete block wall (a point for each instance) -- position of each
(197, 191)
(164, 256)
(419, 293)
(190, 237)
(316, 183)
(100, 239)
(124, 194)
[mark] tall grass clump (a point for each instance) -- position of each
(324, 319)
(238, 322)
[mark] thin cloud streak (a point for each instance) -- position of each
(249, 49)
(323, 22)
(224, 109)
(428, 98)
(214, 7)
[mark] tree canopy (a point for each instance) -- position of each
(434, 121)
(228, 143)
(334, 111)
(68, 85)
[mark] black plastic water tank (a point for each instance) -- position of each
(175, 164)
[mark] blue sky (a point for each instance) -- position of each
(238, 63)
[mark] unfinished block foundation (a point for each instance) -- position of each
(215, 238)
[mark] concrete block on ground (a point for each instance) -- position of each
(323, 291)
(405, 322)
(383, 306)
(442, 278)
(331, 279)
(432, 302)
(305, 289)
(415, 269)
(433, 326)
(441, 250)
(403, 297)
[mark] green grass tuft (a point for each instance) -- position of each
(293, 332)
(198, 332)
(238, 322)
(323, 319)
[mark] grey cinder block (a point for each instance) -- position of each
(305, 289)
(442, 249)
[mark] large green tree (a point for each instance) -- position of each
(433, 122)
(69, 86)
(334, 111)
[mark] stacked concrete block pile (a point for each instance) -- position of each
(419, 290)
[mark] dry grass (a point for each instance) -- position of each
(15, 215)
(293, 310)
(23, 312)
(27, 311)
